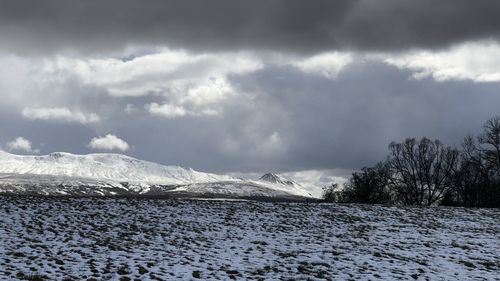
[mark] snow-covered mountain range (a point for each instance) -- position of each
(114, 174)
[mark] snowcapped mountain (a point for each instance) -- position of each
(114, 174)
(274, 178)
(281, 183)
(113, 167)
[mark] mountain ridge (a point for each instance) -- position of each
(62, 173)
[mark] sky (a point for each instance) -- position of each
(313, 89)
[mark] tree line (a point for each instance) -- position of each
(427, 172)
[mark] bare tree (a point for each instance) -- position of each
(490, 145)
(425, 172)
(421, 171)
(330, 193)
(470, 176)
(368, 186)
(478, 177)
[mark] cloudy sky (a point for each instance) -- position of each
(225, 86)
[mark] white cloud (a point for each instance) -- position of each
(21, 144)
(203, 100)
(328, 65)
(109, 142)
(167, 72)
(61, 114)
(166, 110)
(215, 90)
(191, 84)
(476, 61)
(175, 111)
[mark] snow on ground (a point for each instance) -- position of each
(143, 239)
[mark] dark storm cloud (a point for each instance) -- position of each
(349, 122)
(323, 123)
(284, 25)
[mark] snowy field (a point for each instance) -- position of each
(140, 239)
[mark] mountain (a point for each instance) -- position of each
(274, 178)
(114, 174)
(114, 167)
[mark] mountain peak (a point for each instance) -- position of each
(274, 178)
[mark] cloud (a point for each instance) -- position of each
(214, 91)
(185, 84)
(164, 72)
(19, 80)
(21, 144)
(28, 84)
(248, 86)
(201, 101)
(320, 123)
(326, 64)
(286, 25)
(476, 61)
(166, 110)
(109, 142)
(61, 114)
(273, 145)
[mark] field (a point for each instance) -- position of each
(147, 239)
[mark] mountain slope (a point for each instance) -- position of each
(114, 174)
(113, 167)
(274, 178)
